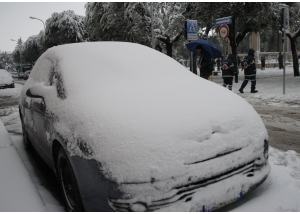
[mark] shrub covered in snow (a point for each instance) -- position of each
(119, 21)
(64, 27)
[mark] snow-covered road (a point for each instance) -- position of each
(281, 114)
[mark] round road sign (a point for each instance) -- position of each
(223, 31)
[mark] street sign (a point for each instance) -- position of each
(192, 30)
(224, 31)
(225, 20)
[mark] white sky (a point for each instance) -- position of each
(15, 21)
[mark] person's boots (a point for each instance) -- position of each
(253, 84)
(230, 87)
(241, 90)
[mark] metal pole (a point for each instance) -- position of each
(191, 61)
(284, 42)
(31, 17)
(283, 51)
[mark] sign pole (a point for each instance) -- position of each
(285, 11)
(191, 34)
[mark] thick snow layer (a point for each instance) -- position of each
(5, 77)
(17, 190)
(11, 92)
(270, 87)
(142, 113)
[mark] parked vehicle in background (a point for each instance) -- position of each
(6, 80)
(22, 71)
(126, 132)
(26, 74)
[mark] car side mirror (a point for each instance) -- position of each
(38, 102)
(30, 94)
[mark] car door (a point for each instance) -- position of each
(41, 119)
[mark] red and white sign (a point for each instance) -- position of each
(224, 31)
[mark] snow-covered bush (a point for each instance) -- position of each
(33, 47)
(64, 27)
(118, 21)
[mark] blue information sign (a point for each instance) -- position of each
(192, 30)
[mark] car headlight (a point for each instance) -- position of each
(266, 149)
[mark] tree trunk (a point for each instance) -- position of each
(168, 44)
(169, 49)
(295, 55)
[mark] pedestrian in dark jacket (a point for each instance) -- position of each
(280, 61)
(204, 63)
(249, 71)
(228, 71)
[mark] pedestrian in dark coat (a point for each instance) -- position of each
(228, 71)
(204, 63)
(249, 71)
(280, 61)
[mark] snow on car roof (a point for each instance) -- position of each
(144, 114)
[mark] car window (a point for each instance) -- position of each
(55, 79)
(41, 71)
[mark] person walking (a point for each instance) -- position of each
(249, 71)
(205, 63)
(228, 71)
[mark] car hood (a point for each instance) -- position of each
(139, 135)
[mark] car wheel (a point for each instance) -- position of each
(68, 183)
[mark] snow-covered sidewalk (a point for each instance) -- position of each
(17, 192)
(281, 190)
(270, 86)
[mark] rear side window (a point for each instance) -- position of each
(45, 72)
(41, 71)
(57, 81)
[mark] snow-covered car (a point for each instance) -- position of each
(127, 128)
(6, 80)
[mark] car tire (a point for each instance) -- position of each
(68, 183)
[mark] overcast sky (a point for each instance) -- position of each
(15, 22)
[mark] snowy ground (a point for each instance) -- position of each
(281, 114)
(44, 186)
(17, 191)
